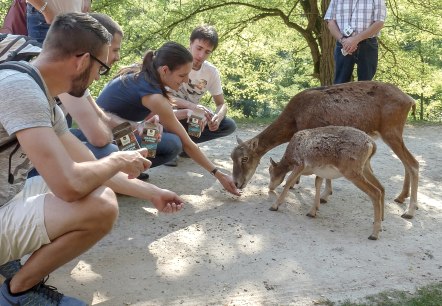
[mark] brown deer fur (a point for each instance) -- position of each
(330, 152)
(379, 109)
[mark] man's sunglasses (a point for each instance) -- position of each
(104, 69)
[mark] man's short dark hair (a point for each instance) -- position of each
(111, 25)
(207, 33)
(75, 33)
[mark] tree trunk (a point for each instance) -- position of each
(327, 46)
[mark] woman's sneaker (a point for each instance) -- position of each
(143, 176)
(9, 269)
(40, 294)
(172, 163)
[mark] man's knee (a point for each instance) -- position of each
(228, 126)
(170, 144)
(103, 208)
(100, 152)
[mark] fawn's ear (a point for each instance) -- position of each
(239, 140)
(272, 162)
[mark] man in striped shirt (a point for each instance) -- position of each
(355, 24)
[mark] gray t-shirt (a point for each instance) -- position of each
(23, 105)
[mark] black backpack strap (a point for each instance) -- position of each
(6, 49)
(8, 144)
(25, 68)
(22, 67)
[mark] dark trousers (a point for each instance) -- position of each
(226, 127)
(37, 26)
(365, 57)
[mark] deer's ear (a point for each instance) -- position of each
(254, 144)
(272, 162)
(239, 140)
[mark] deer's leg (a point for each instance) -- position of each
(315, 207)
(368, 173)
(375, 195)
(290, 180)
(411, 166)
(296, 182)
(327, 191)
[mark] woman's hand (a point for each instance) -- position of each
(155, 119)
(227, 182)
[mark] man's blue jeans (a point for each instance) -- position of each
(365, 57)
(169, 147)
(36, 23)
(99, 152)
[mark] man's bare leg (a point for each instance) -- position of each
(72, 228)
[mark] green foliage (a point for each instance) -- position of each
(268, 50)
(264, 61)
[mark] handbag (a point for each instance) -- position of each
(15, 19)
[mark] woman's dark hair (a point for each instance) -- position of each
(171, 54)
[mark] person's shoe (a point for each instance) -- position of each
(40, 294)
(184, 155)
(172, 163)
(9, 269)
(143, 176)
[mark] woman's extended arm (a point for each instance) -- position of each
(159, 105)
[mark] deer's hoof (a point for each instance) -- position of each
(399, 200)
(273, 208)
(311, 215)
(372, 237)
(322, 201)
(407, 216)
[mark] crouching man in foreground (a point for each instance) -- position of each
(63, 213)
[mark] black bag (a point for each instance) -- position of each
(18, 48)
(22, 67)
(14, 48)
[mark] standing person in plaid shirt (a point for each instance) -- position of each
(355, 24)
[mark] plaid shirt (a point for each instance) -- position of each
(359, 14)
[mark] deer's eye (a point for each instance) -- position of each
(244, 160)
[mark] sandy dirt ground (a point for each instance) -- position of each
(227, 250)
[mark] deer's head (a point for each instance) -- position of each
(245, 161)
(277, 174)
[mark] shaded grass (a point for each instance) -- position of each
(430, 295)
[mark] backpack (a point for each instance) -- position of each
(14, 48)
(18, 48)
(13, 141)
(24, 69)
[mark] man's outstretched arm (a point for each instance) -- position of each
(56, 159)
(91, 120)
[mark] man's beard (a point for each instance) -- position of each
(80, 83)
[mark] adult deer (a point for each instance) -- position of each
(379, 109)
